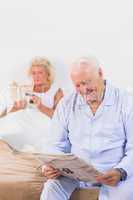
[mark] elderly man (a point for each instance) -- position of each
(95, 123)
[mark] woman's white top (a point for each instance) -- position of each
(28, 129)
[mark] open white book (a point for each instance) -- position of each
(71, 166)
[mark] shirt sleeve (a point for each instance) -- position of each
(126, 162)
(59, 131)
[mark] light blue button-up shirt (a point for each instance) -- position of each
(106, 138)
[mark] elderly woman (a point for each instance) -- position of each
(44, 95)
(25, 124)
(28, 112)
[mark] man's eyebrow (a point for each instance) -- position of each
(85, 81)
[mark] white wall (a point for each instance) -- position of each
(63, 30)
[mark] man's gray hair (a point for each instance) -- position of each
(88, 60)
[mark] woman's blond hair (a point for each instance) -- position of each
(45, 63)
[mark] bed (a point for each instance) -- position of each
(21, 177)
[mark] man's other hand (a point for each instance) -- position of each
(50, 172)
(111, 178)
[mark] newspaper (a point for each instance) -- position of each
(71, 166)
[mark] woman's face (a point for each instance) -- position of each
(39, 75)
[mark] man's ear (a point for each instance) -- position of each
(100, 72)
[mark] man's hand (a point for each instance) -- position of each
(111, 178)
(50, 172)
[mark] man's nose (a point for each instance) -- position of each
(36, 76)
(88, 90)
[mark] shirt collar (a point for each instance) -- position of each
(109, 98)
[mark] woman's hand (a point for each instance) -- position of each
(36, 100)
(19, 105)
